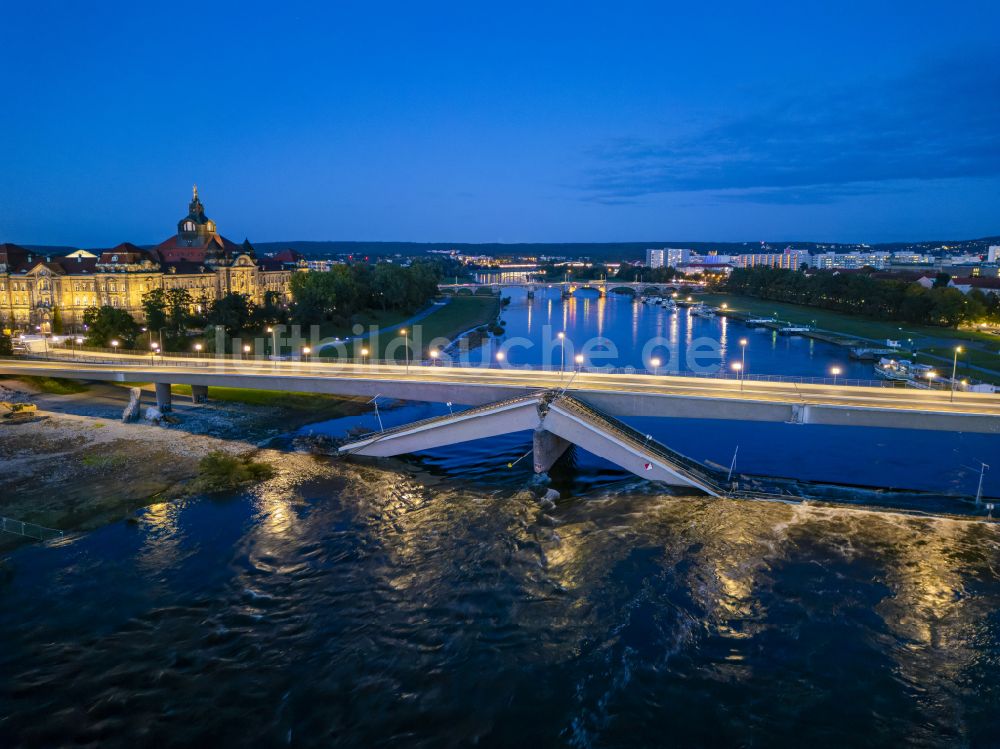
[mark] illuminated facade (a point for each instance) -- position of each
(36, 288)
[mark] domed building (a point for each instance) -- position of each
(34, 286)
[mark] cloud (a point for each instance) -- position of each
(940, 121)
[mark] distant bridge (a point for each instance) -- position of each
(568, 288)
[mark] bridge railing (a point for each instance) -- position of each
(684, 465)
(443, 417)
(318, 365)
(30, 530)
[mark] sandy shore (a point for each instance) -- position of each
(76, 469)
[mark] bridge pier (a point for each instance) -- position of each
(163, 397)
(199, 393)
(546, 449)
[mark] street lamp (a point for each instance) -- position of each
(835, 371)
(500, 357)
(562, 346)
(954, 367)
(931, 374)
(274, 339)
(406, 348)
(364, 353)
(655, 361)
(76, 342)
(306, 351)
(743, 349)
(579, 361)
(737, 367)
(152, 354)
(114, 345)
(198, 347)
(434, 355)
(246, 350)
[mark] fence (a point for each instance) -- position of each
(30, 530)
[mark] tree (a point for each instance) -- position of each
(272, 311)
(178, 304)
(941, 280)
(6, 346)
(233, 312)
(154, 308)
(57, 321)
(105, 324)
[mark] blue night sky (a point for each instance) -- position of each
(501, 122)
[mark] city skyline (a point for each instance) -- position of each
(565, 124)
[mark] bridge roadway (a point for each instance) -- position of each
(619, 395)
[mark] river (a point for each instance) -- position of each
(432, 602)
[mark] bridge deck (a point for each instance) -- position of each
(613, 393)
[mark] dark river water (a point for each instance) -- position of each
(432, 602)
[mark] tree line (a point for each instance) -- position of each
(348, 290)
(859, 293)
(171, 315)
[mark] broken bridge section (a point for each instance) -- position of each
(556, 421)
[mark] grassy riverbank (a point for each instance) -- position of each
(854, 325)
(449, 321)
(53, 385)
(981, 349)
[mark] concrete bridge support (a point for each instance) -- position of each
(546, 449)
(163, 397)
(199, 393)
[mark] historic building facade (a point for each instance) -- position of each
(35, 289)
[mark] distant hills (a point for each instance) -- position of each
(593, 250)
(603, 250)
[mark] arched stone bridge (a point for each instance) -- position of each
(568, 288)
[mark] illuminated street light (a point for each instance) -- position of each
(655, 361)
(562, 346)
(306, 351)
(737, 367)
(931, 374)
(246, 349)
(406, 348)
(579, 361)
(114, 345)
(954, 367)
(274, 340)
(364, 353)
(835, 371)
(500, 356)
(198, 347)
(434, 355)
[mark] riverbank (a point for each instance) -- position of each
(459, 316)
(78, 467)
(935, 344)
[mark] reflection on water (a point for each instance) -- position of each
(377, 606)
(433, 603)
(629, 324)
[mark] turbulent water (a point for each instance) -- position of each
(383, 607)
(433, 602)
